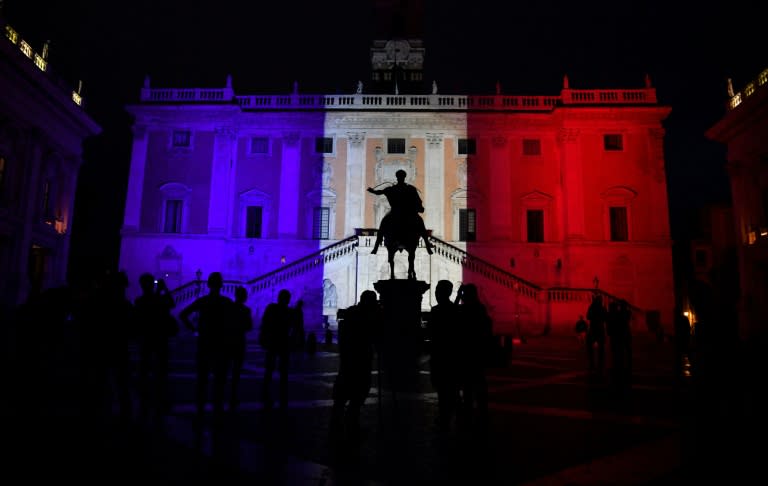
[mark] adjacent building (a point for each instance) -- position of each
(42, 129)
(744, 130)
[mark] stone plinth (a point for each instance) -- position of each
(401, 339)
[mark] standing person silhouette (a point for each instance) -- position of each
(596, 315)
(476, 334)
(405, 205)
(243, 322)
(357, 331)
(154, 323)
(443, 331)
(214, 316)
(277, 325)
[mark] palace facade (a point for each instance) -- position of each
(539, 200)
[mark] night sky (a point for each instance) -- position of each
(526, 45)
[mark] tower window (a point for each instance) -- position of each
(467, 225)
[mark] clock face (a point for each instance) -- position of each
(398, 50)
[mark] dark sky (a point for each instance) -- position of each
(526, 45)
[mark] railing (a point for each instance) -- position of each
(484, 268)
(302, 265)
(749, 90)
(402, 102)
(608, 96)
(196, 288)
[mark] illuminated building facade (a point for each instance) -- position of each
(540, 200)
(42, 129)
(744, 130)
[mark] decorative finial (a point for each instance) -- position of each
(731, 94)
(397, 91)
(359, 89)
(229, 81)
(498, 87)
(647, 80)
(80, 87)
(146, 81)
(295, 87)
(434, 87)
(565, 82)
(45, 45)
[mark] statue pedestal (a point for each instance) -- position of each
(401, 341)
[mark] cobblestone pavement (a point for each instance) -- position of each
(550, 424)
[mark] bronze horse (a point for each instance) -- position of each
(403, 235)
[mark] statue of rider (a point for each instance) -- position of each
(405, 205)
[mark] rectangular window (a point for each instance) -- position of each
(396, 145)
(182, 138)
(467, 225)
(613, 141)
(260, 145)
(253, 215)
(387, 76)
(531, 146)
(324, 145)
(321, 224)
(467, 146)
(535, 225)
(172, 223)
(619, 230)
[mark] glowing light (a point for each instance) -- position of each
(26, 49)
(77, 98)
(686, 313)
(751, 237)
(12, 35)
(40, 63)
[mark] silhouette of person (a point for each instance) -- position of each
(581, 329)
(214, 317)
(155, 325)
(106, 332)
(596, 315)
(476, 334)
(443, 329)
(357, 331)
(405, 205)
(277, 325)
(618, 331)
(243, 322)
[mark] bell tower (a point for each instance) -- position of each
(397, 52)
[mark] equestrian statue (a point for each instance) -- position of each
(402, 226)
